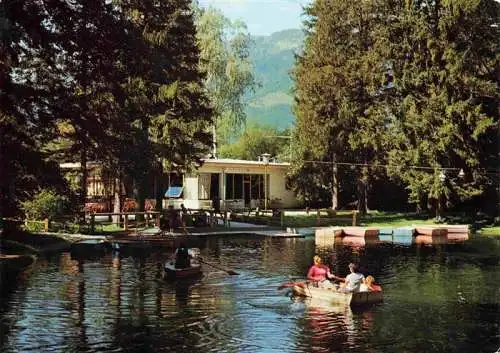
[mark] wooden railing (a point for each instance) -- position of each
(153, 216)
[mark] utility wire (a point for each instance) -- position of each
(392, 166)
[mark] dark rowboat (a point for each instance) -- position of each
(333, 297)
(188, 272)
(15, 262)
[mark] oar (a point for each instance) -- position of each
(292, 284)
(229, 272)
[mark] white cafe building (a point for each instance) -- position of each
(238, 184)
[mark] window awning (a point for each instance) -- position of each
(174, 192)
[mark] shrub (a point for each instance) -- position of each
(129, 205)
(45, 204)
(96, 207)
(150, 205)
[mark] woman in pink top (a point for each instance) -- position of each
(319, 274)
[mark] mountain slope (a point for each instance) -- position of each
(273, 58)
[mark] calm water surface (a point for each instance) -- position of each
(438, 298)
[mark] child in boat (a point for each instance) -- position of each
(369, 285)
(182, 257)
(353, 280)
(319, 274)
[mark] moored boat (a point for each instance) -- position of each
(15, 262)
(429, 239)
(404, 231)
(457, 237)
(455, 228)
(430, 230)
(360, 232)
(188, 272)
(357, 241)
(333, 297)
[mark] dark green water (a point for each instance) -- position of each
(438, 298)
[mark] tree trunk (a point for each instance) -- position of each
(84, 177)
(117, 200)
(159, 189)
(362, 191)
(5, 190)
(335, 185)
(140, 197)
(214, 140)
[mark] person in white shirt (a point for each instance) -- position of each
(353, 280)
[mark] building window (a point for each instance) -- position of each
(238, 186)
(257, 187)
(234, 186)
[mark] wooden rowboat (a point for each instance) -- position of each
(430, 230)
(455, 228)
(171, 272)
(15, 262)
(360, 232)
(429, 239)
(333, 297)
(357, 241)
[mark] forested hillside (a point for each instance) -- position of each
(273, 58)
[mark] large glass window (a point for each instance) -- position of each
(234, 186)
(257, 186)
(238, 186)
(235, 189)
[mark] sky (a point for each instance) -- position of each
(262, 17)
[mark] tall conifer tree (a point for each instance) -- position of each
(445, 56)
(337, 78)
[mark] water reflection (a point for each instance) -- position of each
(117, 300)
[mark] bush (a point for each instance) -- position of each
(45, 204)
(129, 205)
(150, 205)
(96, 207)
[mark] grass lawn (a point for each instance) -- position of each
(394, 220)
(491, 231)
(372, 219)
(343, 218)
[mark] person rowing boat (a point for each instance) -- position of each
(320, 274)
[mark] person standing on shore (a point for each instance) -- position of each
(184, 218)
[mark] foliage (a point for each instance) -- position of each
(116, 82)
(255, 141)
(224, 57)
(34, 226)
(335, 85)
(167, 110)
(26, 102)
(445, 102)
(410, 84)
(45, 204)
(129, 205)
(96, 207)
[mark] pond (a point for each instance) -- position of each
(437, 298)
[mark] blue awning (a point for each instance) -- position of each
(174, 192)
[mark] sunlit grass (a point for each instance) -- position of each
(491, 231)
(344, 218)
(111, 228)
